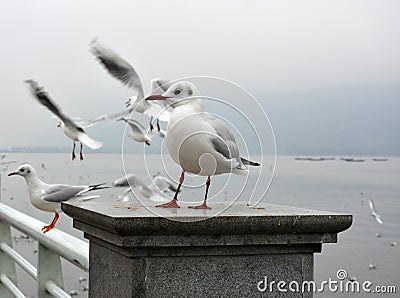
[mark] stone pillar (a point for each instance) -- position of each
(136, 253)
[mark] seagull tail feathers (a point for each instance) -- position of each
(249, 162)
(97, 186)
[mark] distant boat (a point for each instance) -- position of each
(379, 159)
(301, 158)
(351, 159)
(314, 158)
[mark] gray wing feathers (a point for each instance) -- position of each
(135, 126)
(61, 193)
(164, 184)
(125, 181)
(118, 67)
(43, 97)
(159, 86)
(224, 142)
(115, 116)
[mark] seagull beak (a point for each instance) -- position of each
(157, 97)
(13, 173)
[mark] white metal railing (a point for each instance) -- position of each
(51, 247)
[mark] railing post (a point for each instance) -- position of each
(49, 268)
(7, 265)
(136, 253)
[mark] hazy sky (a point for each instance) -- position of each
(326, 72)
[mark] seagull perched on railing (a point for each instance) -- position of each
(71, 129)
(199, 142)
(48, 197)
(153, 191)
(123, 71)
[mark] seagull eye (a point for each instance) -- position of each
(22, 170)
(177, 91)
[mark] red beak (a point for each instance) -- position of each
(13, 173)
(157, 97)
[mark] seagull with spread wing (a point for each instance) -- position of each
(138, 133)
(123, 71)
(73, 130)
(375, 213)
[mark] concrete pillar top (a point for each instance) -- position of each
(237, 225)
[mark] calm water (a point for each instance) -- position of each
(327, 185)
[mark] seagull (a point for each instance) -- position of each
(199, 142)
(48, 197)
(71, 129)
(123, 71)
(137, 133)
(374, 213)
(153, 191)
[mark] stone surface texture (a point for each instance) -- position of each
(155, 252)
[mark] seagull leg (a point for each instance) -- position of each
(73, 151)
(151, 123)
(81, 153)
(174, 201)
(158, 125)
(204, 205)
(45, 229)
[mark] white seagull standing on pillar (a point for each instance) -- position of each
(48, 197)
(199, 142)
(69, 127)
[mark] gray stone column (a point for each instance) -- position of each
(135, 253)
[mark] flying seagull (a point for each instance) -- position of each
(48, 197)
(71, 129)
(138, 133)
(374, 213)
(123, 71)
(153, 191)
(199, 142)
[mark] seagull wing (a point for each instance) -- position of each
(224, 142)
(375, 213)
(378, 219)
(118, 67)
(164, 184)
(43, 97)
(124, 197)
(159, 86)
(88, 141)
(62, 193)
(372, 206)
(115, 116)
(125, 181)
(158, 198)
(136, 127)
